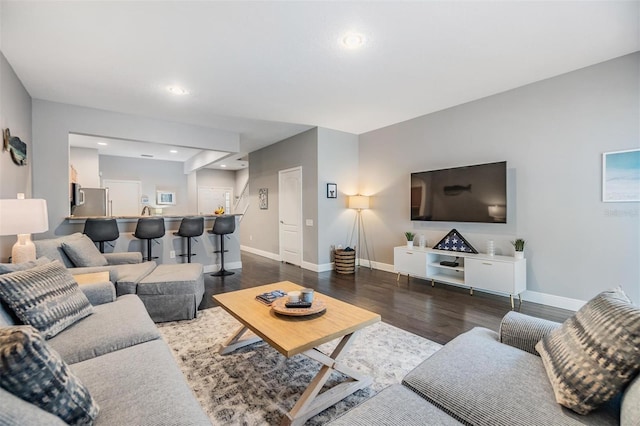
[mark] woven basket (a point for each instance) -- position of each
(344, 261)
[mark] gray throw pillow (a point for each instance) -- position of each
(594, 354)
(46, 297)
(52, 248)
(83, 252)
(6, 268)
(34, 372)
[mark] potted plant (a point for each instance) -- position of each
(518, 244)
(409, 236)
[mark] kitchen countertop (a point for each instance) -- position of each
(165, 216)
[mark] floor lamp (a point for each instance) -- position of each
(22, 218)
(359, 202)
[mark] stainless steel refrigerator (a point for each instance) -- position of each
(92, 202)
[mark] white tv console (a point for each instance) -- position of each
(502, 274)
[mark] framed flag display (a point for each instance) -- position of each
(453, 241)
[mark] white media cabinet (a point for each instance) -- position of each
(502, 274)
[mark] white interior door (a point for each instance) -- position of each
(124, 197)
(210, 198)
(290, 214)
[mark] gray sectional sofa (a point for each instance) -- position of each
(118, 355)
(486, 378)
(169, 292)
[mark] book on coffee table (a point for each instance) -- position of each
(268, 297)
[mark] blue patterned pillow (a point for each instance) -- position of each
(46, 297)
(34, 372)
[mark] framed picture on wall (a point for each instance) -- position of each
(263, 198)
(621, 176)
(332, 190)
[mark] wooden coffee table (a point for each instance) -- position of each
(301, 335)
(92, 277)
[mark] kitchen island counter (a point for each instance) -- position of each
(171, 246)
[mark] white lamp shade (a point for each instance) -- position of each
(358, 202)
(19, 216)
(497, 211)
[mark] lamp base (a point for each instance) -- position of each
(23, 250)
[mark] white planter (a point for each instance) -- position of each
(410, 244)
(519, 255)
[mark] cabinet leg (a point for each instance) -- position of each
(511, 299)
(519, 301)
(471, 291)
(433, 283)
(398, 278)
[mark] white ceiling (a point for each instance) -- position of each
(269, 70)
(152, 151)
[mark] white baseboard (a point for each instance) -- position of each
(317, 268)
(553, 300)
(227, 265)
(305, 265)
(262, 253)
(376, 265)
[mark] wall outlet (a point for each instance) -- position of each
(309, 222)
(172, 254)
(250, 237)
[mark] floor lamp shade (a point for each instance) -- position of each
(358, 202)
(23, 217)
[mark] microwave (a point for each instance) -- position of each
(165, 198)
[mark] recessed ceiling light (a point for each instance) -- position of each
(353, 40)
(102, 143)
(177, 90)
(223, 165)
(174, 151)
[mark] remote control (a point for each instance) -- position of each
(298, 304)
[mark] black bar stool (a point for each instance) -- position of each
(149, 228)
(190, 227)
(222, 226)
(101, 230)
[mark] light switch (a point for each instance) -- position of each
(309, 222)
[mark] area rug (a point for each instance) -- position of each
(256, 385)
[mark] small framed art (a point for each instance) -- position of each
(621, 176)
(263, 198)
(332, 190)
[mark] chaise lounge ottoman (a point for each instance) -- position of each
(172, 292)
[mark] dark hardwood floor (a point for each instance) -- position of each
(437, 313)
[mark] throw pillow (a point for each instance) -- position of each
(83, 252)
(46, 297)
(594, 354)
(37, 374)
(6, 268)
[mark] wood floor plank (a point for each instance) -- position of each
(437, 313)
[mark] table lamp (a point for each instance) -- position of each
(23, 217)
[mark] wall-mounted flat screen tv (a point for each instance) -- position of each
(475, 193)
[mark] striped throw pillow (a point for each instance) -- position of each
(46, 297)
(35, 373)
(595, 353)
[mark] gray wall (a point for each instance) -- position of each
(52, 123)
(553, 134)
(154, 175)
(337, 163)
(260, 227)
(15, 114)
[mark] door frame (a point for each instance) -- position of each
(299, 204)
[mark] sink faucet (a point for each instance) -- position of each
(146, 211)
